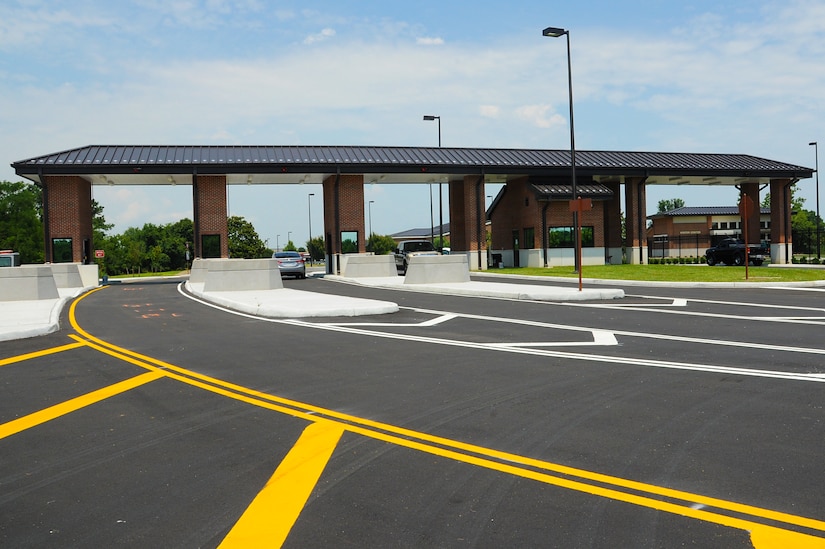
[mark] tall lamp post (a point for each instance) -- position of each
(369, 208)
(430, 117)
(309, 218)
(555, 32)
(816, 153)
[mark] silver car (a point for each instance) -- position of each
(291, 264)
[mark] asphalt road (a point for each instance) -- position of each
(674, 417)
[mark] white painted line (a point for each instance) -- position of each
(604, 359)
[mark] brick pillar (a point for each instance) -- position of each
(67, 204)
(209, 201)
(343, 213)
(613, 226)
(751, 190)
(468, 220)
(781, 245)
(635, 219)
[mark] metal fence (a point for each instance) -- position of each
(690, 245)
(804, 242)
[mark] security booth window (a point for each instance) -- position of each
(562, 237)
(349, 242)
(62, 250)
(210, 246)
(529, 240)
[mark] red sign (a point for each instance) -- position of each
(581, 204)
(99, 254)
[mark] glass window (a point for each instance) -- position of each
(529, 238)
(349, 242)
(562, 237)
(62, 250)
(210, 245)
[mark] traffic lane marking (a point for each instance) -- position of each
(637, 493)
(271, 515)
(751, 372)
(53, 412)
(457, 450)
(38, 354)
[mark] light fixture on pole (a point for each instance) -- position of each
(816, 153)
(430, 117)
(555, 32)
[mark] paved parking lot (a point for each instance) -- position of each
(671, 417)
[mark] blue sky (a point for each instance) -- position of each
(695, 76)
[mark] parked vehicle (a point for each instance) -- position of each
(291, 264)
(9, 258)
(410, 248)
(731, 251)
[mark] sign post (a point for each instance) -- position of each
(578, 206)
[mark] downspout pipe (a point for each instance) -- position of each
(786, 196)
(544, 243)
(336, 199)
(641, 217)
(479, 224)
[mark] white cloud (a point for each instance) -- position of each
(540, 116)
(427, 41)
(489, 111)
(320, 36)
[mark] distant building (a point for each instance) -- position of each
(689, 231)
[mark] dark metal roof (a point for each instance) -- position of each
(174, 159)
(705, 211)
(557, 191)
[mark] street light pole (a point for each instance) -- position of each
(816, 153)
(555, 32)
(277, 243)
(431, 117)
(288, 237)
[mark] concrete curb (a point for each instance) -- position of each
(657, 284)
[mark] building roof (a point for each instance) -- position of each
(422, 232)
(171, 164)
(559, 191)
(704, 211)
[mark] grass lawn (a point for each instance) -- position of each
(675, 273)
(148, 274)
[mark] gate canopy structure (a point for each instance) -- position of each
(66, 178)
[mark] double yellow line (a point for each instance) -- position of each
(278, 505)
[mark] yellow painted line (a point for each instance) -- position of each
(38, 354)
(509, 463)
(52, 412)
(269, 519)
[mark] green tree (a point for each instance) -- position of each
(244, 240)
(290, 247)
(316, 248)
(381, 244)
(21, 220)
(670, 204)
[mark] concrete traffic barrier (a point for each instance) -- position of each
(27, 282)
(364, 266)
(67, 275)
(230, 275)
(437, 269)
